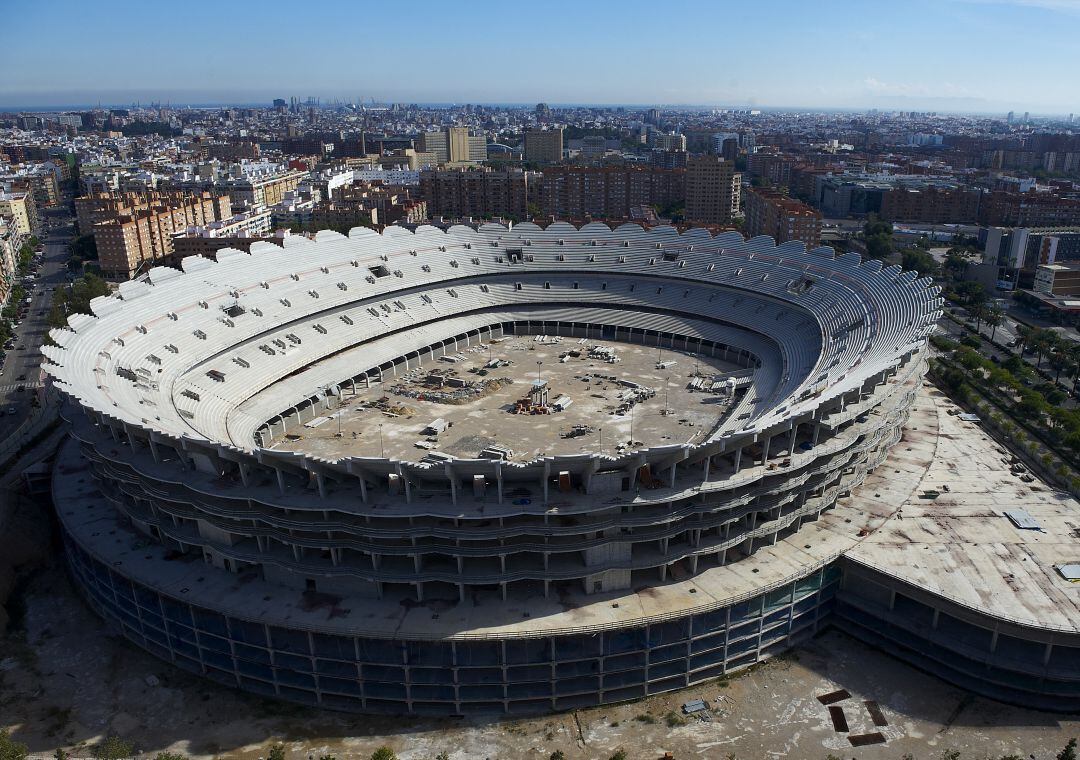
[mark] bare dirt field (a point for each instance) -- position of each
(360, 426)
(66, 682)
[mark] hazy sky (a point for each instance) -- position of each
(966, 55)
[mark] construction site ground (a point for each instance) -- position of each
(66, 682)
(361, 425)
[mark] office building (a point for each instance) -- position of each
(544, 146)
(454, 145)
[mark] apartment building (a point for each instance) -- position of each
(772, 213)
(665, 141)
(20, 211)
(713, 190)
(133, 230)
(1033, 208)
(607, 192)
(9, 246)
(934, 204)
(544, 146)
(773, 168)
(475, 192)
(258, 190)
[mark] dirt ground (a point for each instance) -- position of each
(478, 423)
(66, 682)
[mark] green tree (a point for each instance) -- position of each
(170, 756)
(557, 755)
(277, 752)
(85, 247)
(877, 226)
(1069, 753)
(112, 747)
(383, 753)
(879, 246)
(11, 749)
(920, 261)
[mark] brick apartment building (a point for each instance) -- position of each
(136, 229)
(608, 192)
(936, 205)
(1031, 209)
(771, 213)
(475, 192)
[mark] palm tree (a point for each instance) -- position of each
(993, 317)
(1060, 360)
(977, 310)
(1041, 343)
(1024, 334)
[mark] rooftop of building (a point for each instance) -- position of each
(959, 543)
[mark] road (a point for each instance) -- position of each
(22, 365)
(1006, 331)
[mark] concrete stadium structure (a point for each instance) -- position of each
(469, 584)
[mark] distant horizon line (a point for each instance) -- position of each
(61, 107)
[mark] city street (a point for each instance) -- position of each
(21, 374)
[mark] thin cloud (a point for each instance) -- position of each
(1061, 6)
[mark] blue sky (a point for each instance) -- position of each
(946, 55)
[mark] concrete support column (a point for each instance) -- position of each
(765, 449)
(738, 458)
(280, 480)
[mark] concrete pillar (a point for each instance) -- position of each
(738, 458)
(765, 449)
(280, 480)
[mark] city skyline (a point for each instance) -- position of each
(941, 55)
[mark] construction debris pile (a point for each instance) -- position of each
(384, 405)
(442, 386)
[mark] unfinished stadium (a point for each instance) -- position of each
(515, 470)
